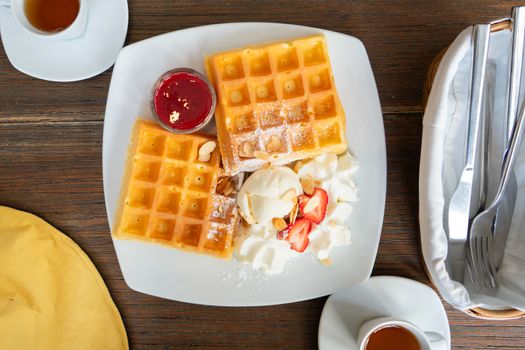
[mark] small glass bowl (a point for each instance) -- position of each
(165, 76)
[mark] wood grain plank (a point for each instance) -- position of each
(50, 162)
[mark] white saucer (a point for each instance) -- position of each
(345, 311)
(68, 60)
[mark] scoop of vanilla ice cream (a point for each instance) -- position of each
(260, 198)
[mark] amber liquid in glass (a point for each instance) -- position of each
(51, 15)
(392, 338)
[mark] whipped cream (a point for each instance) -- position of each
(334, 175)
(258, 245)
(260, 200)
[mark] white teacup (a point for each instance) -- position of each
(427, 340)
(75, 30)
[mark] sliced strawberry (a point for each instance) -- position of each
(297, 234)
(313, 207)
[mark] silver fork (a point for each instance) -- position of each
(482, 228)
(460, 202)
(496, 217)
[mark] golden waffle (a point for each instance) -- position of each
(170, 197)
(277, 103)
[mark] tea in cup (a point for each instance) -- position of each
(388, 333)
(51, 19)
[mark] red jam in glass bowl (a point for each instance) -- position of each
(182, 100)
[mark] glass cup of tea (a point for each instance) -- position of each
(50, 19)
(395, 334)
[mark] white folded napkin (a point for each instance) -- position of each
(444, 126)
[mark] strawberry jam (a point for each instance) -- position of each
(183, 100)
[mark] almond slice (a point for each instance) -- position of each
(298, 165)
(295, 211)
(206, 150)
(230, 189)
(279, 224)
(308, 186)
(244, 223)
(261, 155)
(224, 186)
(246, 220)
(246, 150)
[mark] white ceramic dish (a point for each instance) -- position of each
(73, 59)
(177, 275)
(380, 296)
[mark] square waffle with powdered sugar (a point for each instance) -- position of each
(276, 103)
(173, 196)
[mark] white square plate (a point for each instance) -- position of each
(182, 276)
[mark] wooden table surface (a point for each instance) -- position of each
(51, 147)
